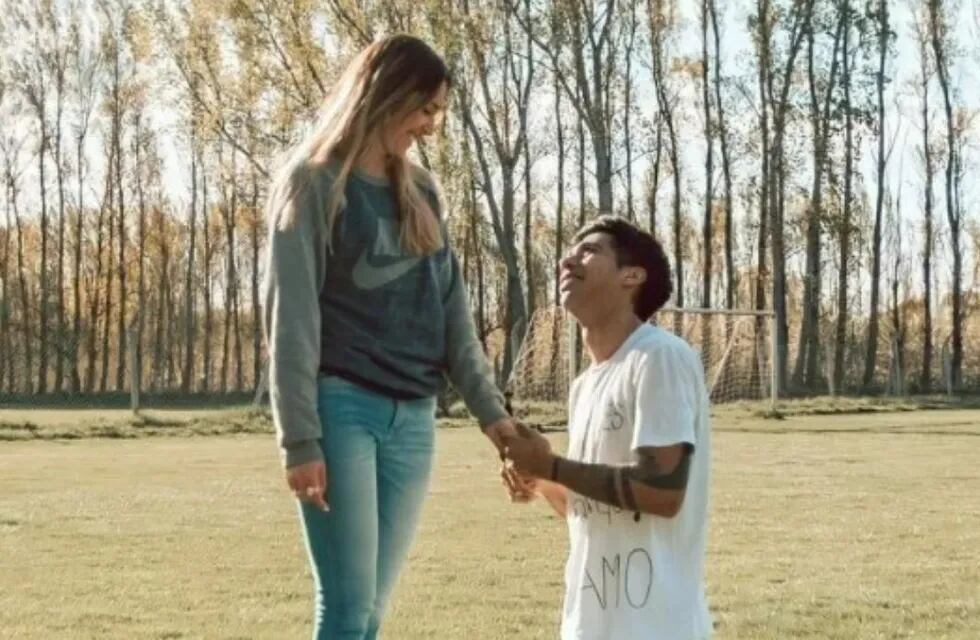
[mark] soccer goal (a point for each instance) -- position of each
(737, 349)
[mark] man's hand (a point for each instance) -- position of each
(529, 451)
(498, 431)
(309, 483)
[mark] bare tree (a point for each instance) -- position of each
(926, 71)
(11, 146)
(707, 230)
(57, 60)
(775, 98)
(115, 18)
(560, 206)
(502, 118)
(86, 63)
(661, 20)
(880, 14)
(845, 225)
(31, 75)
(187, 375)
(939, 36)
(585, 45)
(730, 277)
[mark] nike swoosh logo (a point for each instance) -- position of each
(366, 276)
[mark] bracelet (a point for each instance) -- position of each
(554, 468)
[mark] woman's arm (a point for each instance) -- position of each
(467, 366)
(294, 270)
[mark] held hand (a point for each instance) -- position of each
(529, 451)
(309, 483)
(496, 432)
(520, 488)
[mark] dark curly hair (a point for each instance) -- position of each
(635, 247)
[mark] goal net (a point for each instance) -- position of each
(735, 348)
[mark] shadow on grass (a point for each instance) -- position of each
(143, 425)
(871, 430)
(121, 400)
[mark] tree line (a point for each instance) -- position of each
(812, 157)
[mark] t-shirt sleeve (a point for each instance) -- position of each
(667, 388)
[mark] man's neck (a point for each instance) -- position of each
(605, 335)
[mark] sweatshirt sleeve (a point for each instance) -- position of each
(295, 265)
(468, 369)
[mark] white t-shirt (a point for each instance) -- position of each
(627, 579)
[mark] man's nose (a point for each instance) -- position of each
(566, 263)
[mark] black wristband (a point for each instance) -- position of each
(554, 468)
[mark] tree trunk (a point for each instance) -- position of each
(801, 24)
(10, 180)
(925, 378)
(560, 206)
(655, 180)
(76, 330)
(845, 224)
(6, 355)
(871, 355)
(208, 310)
(730, 277)
(187, 376)
(627, 108)
(94, 297)
(60, 350)
(256, 303)
(42, 374)
(107, 317)
(160, 317)
(764, 71)
(937, 29)
(666, 112)
(807, 370)
(117, 123)
(528, 232)
(707, 231)
(141, 250)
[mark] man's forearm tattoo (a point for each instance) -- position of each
(612, 484)
(646, 471)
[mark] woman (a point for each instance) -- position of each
(366, 315)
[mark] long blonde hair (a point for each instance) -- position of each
(390, 78)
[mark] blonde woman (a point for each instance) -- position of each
(366, 315)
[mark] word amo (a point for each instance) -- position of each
(622, 580)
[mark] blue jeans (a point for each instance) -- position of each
(378, 452)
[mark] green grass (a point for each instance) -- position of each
(845, 526)
(105, 418)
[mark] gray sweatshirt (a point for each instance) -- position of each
(366, 311)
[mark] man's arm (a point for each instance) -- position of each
(655, 482)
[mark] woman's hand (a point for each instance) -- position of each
(520, 488)
(309, 483)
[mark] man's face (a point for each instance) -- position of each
(590, 282)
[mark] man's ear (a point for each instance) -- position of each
(635, 276)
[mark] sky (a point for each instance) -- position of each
(903, 125)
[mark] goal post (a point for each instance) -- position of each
(737, 349)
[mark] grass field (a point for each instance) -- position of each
(861, 525)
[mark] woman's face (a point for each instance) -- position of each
(399, 136)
